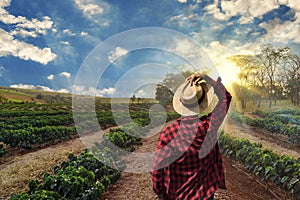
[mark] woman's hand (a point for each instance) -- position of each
(196, 77)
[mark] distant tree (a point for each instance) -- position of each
(270, 58)
(291, 69)
(133, 98)
(139, 99)
(165, 90)
(39, 96)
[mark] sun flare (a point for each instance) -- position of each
(228, 72)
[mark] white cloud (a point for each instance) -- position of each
(38, 87)
(247, 9)
(24, 33)
(63, 90)
(296, 7)
(186, 48)
(183, 20)
(23, 50)
(68, 32)
(215, 11)
(89, 7)
(1, 70)
(80, 89)
(283, 32)
(34, 27)
(140, 93)
(50, 77)
(83, 33)
(107, 91)
(118, 52)
(65, 42)
(182, 1)
(94, 10)
(23, 27)
(65, 74)
(217, 51)
(279, 32)
(293, 4)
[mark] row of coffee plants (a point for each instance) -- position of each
(34, 106)
(82, 177)
(26, 138)
(2, 150)
(284, 116)
(4, 115)
(85, 177)
(284, 171)
(40, 121)
(23, 129)
(273, 123)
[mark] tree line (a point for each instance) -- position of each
(270, 73)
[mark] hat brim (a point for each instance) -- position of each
(190, 111)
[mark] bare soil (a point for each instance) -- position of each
(277, 143)
(18, 169)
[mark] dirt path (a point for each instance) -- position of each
(272, 141)
(240, 185)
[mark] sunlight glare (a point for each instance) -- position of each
(228, 72)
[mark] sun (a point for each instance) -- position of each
(228, 72)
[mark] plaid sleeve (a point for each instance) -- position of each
(216, 117)
(158, 171)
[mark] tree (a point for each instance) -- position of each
(248, 68)
(39, 96)
(291, 70)
(270, 58)
(139, 99)
(133, 98)
(166, 89)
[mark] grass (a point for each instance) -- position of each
(12, 91)
(18, 95)
(280, 105)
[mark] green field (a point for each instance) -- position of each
(28, 126)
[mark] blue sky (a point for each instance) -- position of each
(44, 43)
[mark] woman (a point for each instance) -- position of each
(187, 162)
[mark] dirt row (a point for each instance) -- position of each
(277, 143)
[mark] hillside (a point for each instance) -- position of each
(18, 95)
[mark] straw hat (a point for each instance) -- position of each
(190, 100)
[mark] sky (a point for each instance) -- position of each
(46, 44)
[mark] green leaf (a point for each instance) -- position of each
(284, 179)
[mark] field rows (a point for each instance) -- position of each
(89, 174)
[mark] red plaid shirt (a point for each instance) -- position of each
(187, 163)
